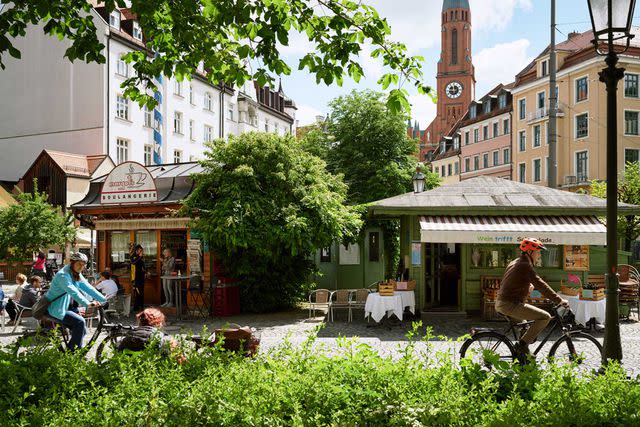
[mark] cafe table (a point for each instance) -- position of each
(377, 306)
(586, 310)
(177, 282)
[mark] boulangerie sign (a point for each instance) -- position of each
(128, 183)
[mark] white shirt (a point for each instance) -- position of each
(108, 288)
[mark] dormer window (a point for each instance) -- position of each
(544, 68)
(442, 146)
(502, 100)
(137, 31)
(114, 19)
(473, 111)
(487, 106)
(456, 143)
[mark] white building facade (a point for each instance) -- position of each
(51, 103)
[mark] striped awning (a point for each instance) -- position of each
(553, 230)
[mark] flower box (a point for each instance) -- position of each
(568, 290)
(592, 294)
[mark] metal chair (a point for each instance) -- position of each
(200, 297)
(629, 289)
(358, 299)
(319, 298)
(341, 299)
(20, 310)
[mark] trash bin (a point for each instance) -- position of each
(226, 298)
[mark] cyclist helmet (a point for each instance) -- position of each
(78, 256)
(531, 244)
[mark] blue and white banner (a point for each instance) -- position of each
(157, 116)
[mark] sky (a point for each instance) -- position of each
(506, 36)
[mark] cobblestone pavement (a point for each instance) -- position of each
(388, 338)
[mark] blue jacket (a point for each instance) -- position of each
(63, 283)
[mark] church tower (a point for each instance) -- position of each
(456, 77)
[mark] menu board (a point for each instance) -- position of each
(194, 254)
(576, 257)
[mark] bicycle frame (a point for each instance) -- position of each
(558, 323)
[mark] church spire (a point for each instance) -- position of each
(455, 4)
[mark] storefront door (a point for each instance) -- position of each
(148, 240)
(442, 276)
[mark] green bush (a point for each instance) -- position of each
(301, 386)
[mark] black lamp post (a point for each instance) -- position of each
(611, 20)
(418, 180)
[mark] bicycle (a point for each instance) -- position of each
(572, 346)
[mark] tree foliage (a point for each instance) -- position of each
(237, 40)
(368, 144)
(628, 192)
(265, 205)
(32, 225)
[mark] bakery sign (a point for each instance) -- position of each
(129, 182)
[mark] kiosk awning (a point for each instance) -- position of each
(553, 230)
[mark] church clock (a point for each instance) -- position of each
(453, 90)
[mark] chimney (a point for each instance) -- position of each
(572, 35)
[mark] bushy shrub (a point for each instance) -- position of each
(302, 386)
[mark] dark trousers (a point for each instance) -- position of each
(11, 310)
(76, 324)
(138, 302)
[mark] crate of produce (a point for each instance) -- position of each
(386, 289)
(592, 294)
(569, 290)
(406, 286)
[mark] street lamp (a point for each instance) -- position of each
(611, 20)
(418, 180)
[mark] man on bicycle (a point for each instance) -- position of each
(518, 281)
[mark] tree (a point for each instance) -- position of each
(265, 206)
(32, 225)
(237, 40)
(368, 144)
(628, 192)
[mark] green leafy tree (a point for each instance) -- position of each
(265, 205)
(367, 143)
(237, 40)
(31, 225)
(628, 192)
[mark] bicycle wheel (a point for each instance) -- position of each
(37, 342)
(485, 348)
(107, 349)
(579, 349)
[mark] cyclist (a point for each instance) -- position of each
(518, 281)
(68, 284)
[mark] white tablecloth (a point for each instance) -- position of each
(377, 306)
(585, 310)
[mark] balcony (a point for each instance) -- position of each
(543, 113)
(575, 181)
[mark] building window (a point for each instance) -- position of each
(536, 136)
(177, 122)
(631, 123)
(631, 85)
(122, 68)
(456, 142)
(449, 169)
(191, 95)
(506, 158)
(496, 158)
(522, 172)
(522, 140)
(177, 156)
(230, 108)
(456, 168)
(473, 112)
(631, 155)
(544, 68)
(122, 107)
(208, 101)
(208, 133)
(467, 164)
(495, 130)
(177, 88)
(505, 127)
(148, 117)
(476, 163)
(487, 106)
(192, 126)
(137, 31)
(148, 154)
(122, 150)
(485, 133)
(454, 47)
(476, 136)
(466, 138)
(582, 125)
(266, 125)
(374, 247)
(582, 89)
(541, 100)
(522, 108)
(581, 166)
(275, 127)
(536, 170)
(485, 160)
(444, 171)
(502, 101)
(114, 19)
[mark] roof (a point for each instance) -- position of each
(173, 182)
(492, 196)
(455, 4)
(78, 165)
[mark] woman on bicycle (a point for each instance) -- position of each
(518, 281)
(68, 284)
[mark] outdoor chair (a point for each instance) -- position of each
(373, 287)
(358, 300)
(629, 289)
(341, 299)
(21, 312)
(320, 298)
(89, 314)
(199, 296)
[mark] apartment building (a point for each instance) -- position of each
(51, 103)
(485, 132)
(582, 114)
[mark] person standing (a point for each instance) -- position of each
(168, 265)
(138, 271)
(39, 268)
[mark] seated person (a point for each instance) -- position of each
(106, 285)
(150, 321)
(27, 295)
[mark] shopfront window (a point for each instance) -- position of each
(147, 239)
(119, 245)
(176, 241)
(499, 256)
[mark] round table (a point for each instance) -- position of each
(378, 306)
(177, 288)
(585, 310)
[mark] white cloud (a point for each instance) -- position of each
(422, 109)
(500, 64)
(306, 114)
(495, 15)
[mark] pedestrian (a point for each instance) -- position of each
(70, 285)
(29, 295)
(168, 266)
(39, 267)
(138, 271)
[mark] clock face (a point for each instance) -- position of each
(454, 89)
